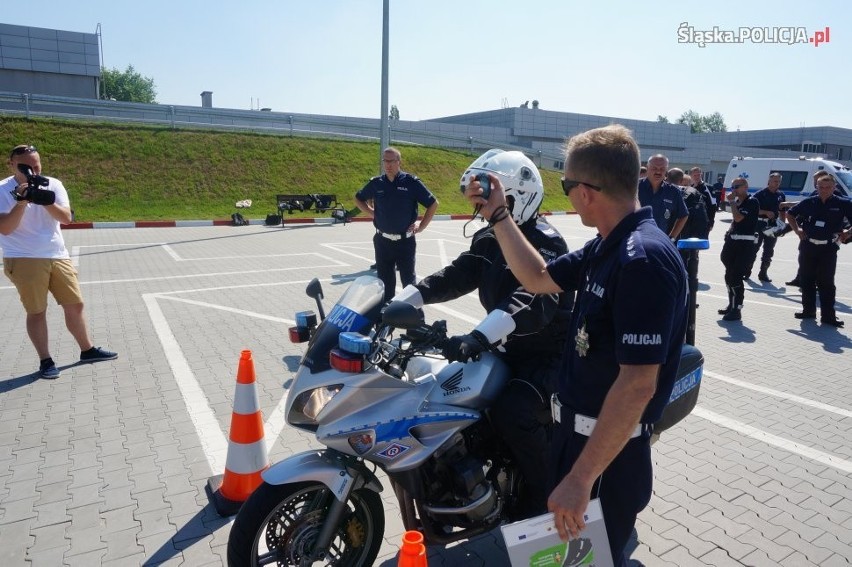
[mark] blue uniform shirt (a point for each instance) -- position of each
(748, 225)
(630, 309)
(667, 203)
(821, 221)
(769, 201)
(395, 202)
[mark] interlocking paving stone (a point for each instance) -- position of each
(110, 454)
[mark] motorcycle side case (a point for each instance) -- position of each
(685, 392)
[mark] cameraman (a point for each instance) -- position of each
(35, 258)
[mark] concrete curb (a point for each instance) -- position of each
(227, 222)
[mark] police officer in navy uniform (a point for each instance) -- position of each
(665, 199)
(820, 229)
(624, 337)
(396, 195)
(738, 249)
(526, 330)
(769, 199)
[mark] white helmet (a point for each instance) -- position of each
(519, 176)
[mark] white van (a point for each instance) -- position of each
(796, 174)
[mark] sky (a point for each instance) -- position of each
(619, 59)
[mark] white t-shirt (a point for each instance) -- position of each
(38, 235)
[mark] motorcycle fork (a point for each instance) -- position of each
(335, 514)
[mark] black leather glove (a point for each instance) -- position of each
(462, 348)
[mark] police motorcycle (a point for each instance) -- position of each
(375, 390)
(381, 401)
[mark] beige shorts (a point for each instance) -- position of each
(34, 277)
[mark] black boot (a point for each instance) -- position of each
(762, 275)
(730, 306)
(732, 315)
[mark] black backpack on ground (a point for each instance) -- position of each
(698, 223)
(238, 220)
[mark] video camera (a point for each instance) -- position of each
(32, 193)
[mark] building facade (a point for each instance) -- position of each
(50, 62)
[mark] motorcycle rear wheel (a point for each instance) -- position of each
(278, 525)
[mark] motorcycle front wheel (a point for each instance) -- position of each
(279, 524)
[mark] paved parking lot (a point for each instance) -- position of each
(107, 465)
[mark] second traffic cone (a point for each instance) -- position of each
(412, 553)
(247, 456)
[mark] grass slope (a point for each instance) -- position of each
(123, 172)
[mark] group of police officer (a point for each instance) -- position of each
(612, 358)
(818, 220)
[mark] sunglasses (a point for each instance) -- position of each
(568, 184)
(21, 150)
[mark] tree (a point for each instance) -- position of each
(697, 123)
(663, 119)
(715, 123)
(394, 113)
(127, 86)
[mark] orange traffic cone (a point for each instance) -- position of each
(413, 552)
(246, 447)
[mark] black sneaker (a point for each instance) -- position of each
(804, 315)
(96, 354)
(724, 311)
(835, 322)
(794, 282)
(47, 369)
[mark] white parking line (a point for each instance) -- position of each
(780, 394)
(206, 426)
(774, 440)
(253, 314)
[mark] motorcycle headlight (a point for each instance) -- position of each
(312, 402)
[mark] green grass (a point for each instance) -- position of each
(119, 172)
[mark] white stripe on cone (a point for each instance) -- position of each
(246, 458)
(245, 399)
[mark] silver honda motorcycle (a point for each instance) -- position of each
(381, 401)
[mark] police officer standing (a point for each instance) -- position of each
(665, 199)
(769, 199)
(818, 221)
(623, 348)
(396, 195)
(738, 249)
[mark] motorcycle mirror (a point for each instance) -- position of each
(314, 290)
(402, 315)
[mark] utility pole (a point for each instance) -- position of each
(383, 128)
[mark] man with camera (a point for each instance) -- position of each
(35, 259)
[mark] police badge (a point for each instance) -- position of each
(582, 340)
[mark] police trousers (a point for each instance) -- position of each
(624, 488)
(392, 255)
(521, 416)
(736, 257)
(817, 266)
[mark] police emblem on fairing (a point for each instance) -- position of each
(393, 451)
(452, 385)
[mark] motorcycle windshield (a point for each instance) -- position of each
(357, 310)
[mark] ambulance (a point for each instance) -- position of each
(796, 174)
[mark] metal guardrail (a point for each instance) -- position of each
(424, 133)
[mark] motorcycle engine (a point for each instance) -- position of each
(457, 490)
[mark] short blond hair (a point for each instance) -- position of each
(607, 157)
